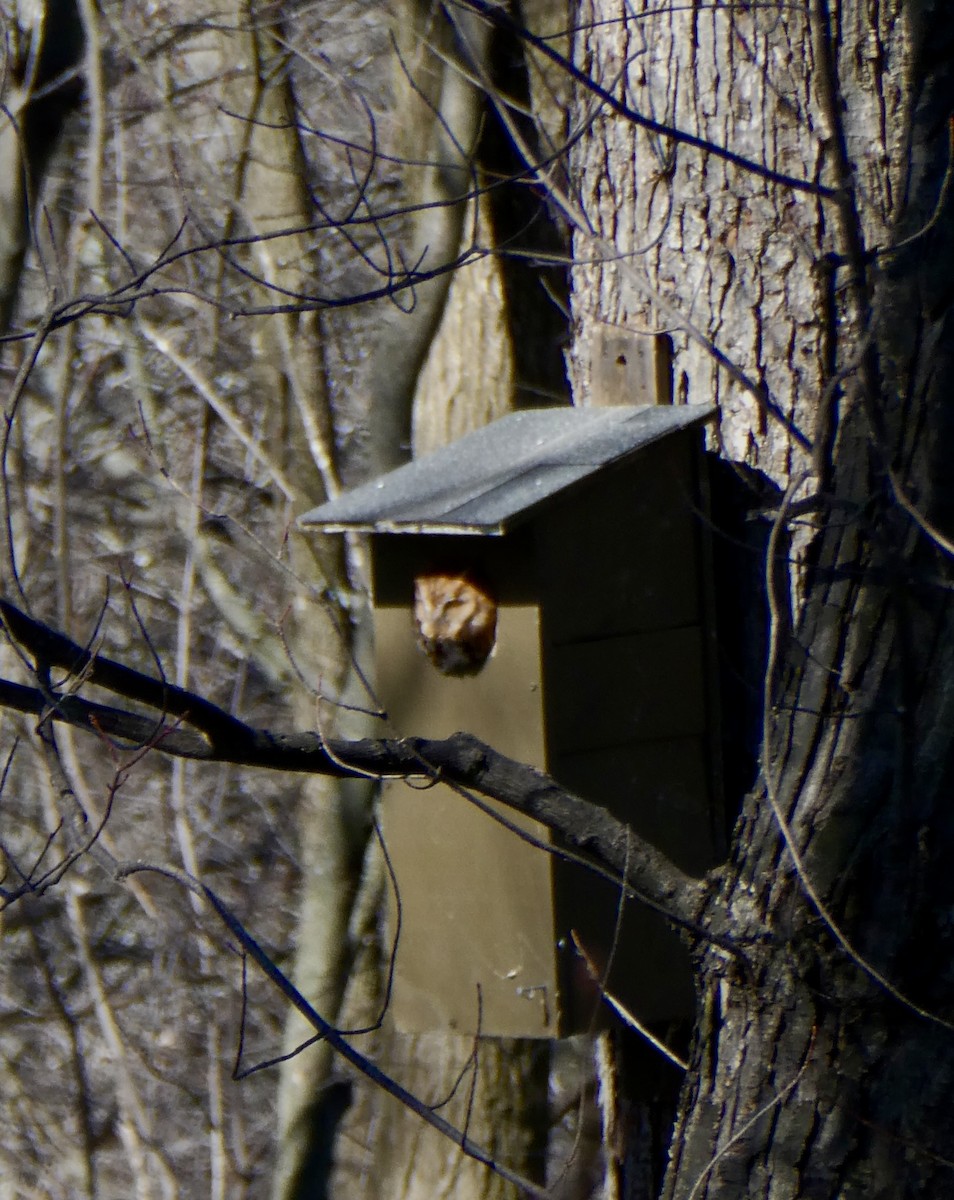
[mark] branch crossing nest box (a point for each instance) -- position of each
(541, 583)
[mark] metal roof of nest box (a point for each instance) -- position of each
(495, 478)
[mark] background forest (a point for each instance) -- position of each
(184, 379)
(162, 449)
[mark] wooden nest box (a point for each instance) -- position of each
(542, 584)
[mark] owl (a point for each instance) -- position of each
(456, 621)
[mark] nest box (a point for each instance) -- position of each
(579, 534)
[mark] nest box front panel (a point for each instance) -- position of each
(477, 935)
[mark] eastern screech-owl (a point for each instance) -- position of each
(456, 620)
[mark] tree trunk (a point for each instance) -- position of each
(824, 1055)
(43, 47)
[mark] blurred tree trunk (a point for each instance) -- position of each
(42, 84)
(490, 336)
(476, 343)
(290, 375)
(823, 1053)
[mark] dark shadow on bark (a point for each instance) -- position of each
(740, 537)
(323, 1117)
(524, 224)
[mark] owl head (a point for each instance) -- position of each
(456, 621)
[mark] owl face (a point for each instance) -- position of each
(456, 622)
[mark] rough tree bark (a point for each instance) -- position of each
(824, 1051)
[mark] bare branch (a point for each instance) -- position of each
(461, 760)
